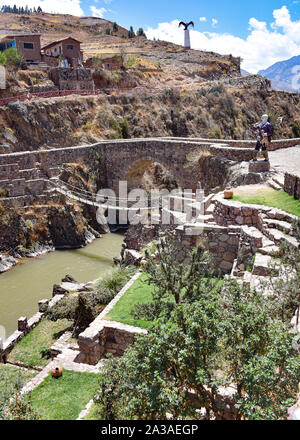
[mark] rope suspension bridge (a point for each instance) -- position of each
(106, 202)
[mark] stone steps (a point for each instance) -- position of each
(279, 224)
(269, 250)
(278, 236)
(210, 210)
(263, 265)
(205, 219)
(279, 179)
(274, 185)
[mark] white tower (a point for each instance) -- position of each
(187, 40)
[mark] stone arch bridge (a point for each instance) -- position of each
(24, 176)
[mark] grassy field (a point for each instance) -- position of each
(139, 293)
(65, 397)
(273, 198)
(93, 413)
(34, 349)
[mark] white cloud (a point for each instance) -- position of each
(56, 6)
(98, 12)
(202, 18)
(265, 45)
(258, 25)
(214, 22)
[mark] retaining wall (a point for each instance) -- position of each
(292, 185)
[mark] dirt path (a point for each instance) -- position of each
(251, 190)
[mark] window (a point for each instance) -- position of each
(70, 47)
(29, 46)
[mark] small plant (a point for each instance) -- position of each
(20, 408)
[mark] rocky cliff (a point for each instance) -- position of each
(215, 110)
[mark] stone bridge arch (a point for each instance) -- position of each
(134, 157)
(135, 172)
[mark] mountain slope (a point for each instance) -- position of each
(284, 74)
(58, 26)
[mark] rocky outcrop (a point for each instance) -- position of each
(7, 262)
(212, 111)
(68, 229)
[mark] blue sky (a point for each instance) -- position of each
(232, 15)
(261, 32)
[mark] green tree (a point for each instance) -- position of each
(140, 32)
(213, 352)
(131, 33)
(115, 27)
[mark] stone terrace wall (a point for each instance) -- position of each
(228, 212)
(222, 242)
(103, 337)
(292, 185)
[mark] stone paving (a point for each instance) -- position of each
(286, 160)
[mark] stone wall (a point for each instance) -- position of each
(103, 337)
(276, 144)
(228, 212)
(72, 78)
(222, 242)
(292, 185)
(25, 326)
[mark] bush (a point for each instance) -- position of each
(3, 59)
(106, 288)
(296, 129)
(13, 59)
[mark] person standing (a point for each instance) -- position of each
(265, 131)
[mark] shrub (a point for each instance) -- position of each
(107, 287)
(296, 129)
(13, 59)
(3, 59)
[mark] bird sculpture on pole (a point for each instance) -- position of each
(187, 40)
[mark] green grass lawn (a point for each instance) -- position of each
(65, 397)
(139, 293)
(93, 413)
(34, 349)
(273, 198)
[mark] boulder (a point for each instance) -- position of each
(69, 279)
(132, 257)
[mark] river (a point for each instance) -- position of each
(23, 286)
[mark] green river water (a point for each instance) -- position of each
(23, 286)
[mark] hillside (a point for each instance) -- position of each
(212, 111)
(282, 74)
(52, 27)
